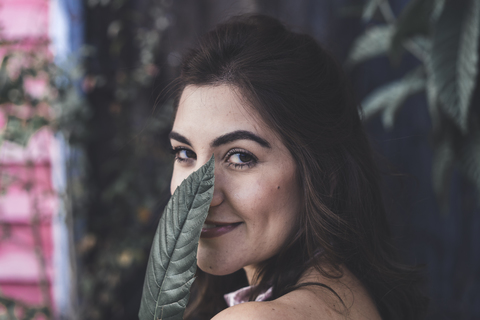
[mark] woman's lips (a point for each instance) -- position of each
(216, 229)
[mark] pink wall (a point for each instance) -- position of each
(24, 18)
(27, 200)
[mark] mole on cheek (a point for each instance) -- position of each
(278, 187)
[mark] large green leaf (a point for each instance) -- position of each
(390, 97)
(373, 42)
(454, 58)
(173, 256)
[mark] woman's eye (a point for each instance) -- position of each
(182, 154)
(241, 159)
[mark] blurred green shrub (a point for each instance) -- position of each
(444, 36)
(129, 163)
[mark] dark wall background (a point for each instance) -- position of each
(447, 244)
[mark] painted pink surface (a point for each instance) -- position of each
(24, 18)
(26, 177)
(21, 176)
(28, 293)
(20, 238)
(3, 121)
(20, 265)
(25, 171)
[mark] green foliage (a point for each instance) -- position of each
(369, 9)
(413, 21)
(55, 103)
(454, 58)
(127, 151)
(389, 98)
(444, 36)
(469, 156)
(19, 131)
(13, 308)
(374, 42)
(173, 256)
(442, 168)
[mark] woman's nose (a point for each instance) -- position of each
(218, 195)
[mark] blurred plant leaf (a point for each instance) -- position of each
(444, 35)
(442, 167)
(437, 9)
(8, 304)
(173, 256)
(413, 21)
(454, 58)
(26, 312)
(369, 9)
(432, 98)
(19, 131)
(390, 97)
(469, 157)
(11, 90)
(424, 43)
(373, 42)
(450, 148)
(3, 73)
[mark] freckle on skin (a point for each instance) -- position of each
(278, 187)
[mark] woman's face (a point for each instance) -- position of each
(256, 197)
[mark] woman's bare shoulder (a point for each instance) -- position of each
(311, 302)
(299, 304)
(250, 310)
(270, 310)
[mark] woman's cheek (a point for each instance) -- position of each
(251, 194)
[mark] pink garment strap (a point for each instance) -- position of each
(241, 296)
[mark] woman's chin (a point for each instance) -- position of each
(217, 270)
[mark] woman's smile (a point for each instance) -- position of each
(256, 197)
(212, 229)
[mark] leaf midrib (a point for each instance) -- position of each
(170, 260)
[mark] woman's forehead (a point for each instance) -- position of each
(213, 105)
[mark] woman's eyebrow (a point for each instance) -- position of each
(177, 136)
(240, 135)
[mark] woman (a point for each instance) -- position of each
(297, 211)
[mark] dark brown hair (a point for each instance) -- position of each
(301, 93)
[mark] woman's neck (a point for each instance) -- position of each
(250, 271)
